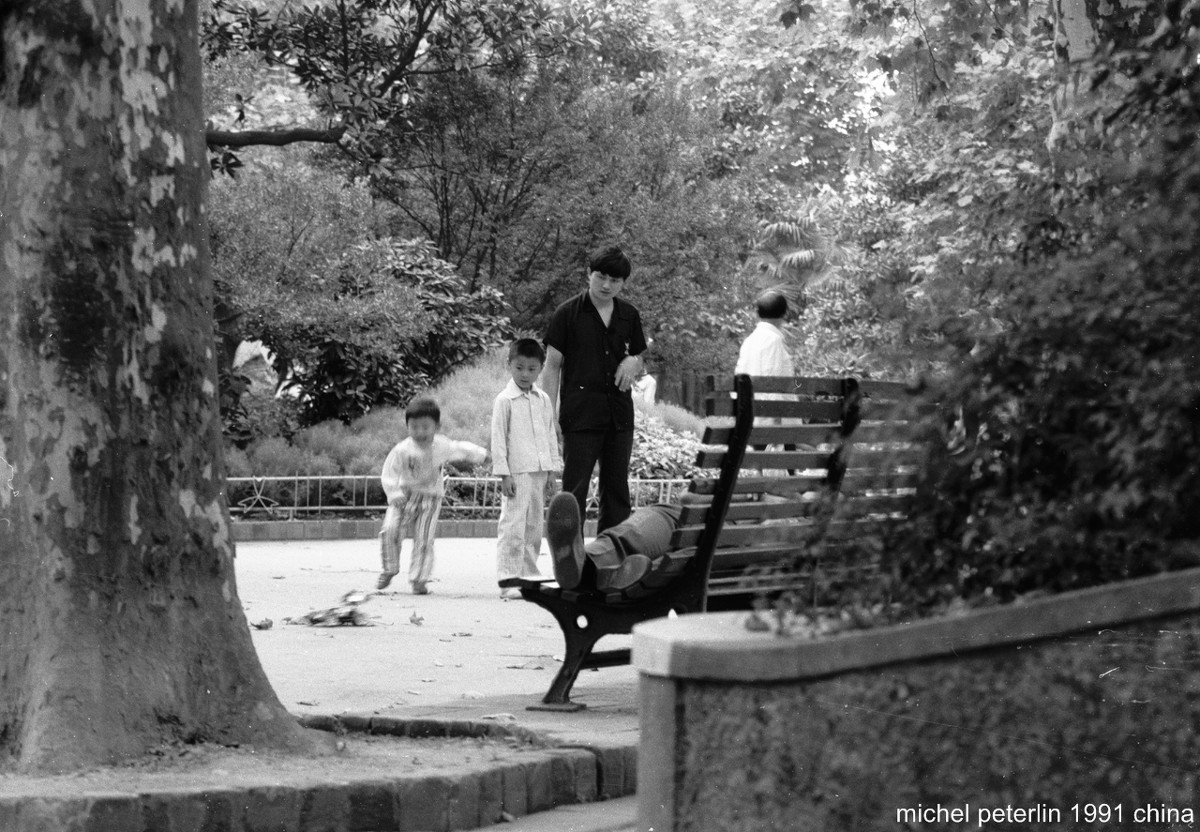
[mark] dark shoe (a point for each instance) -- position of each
(564, 533)
(631, 570)
(385, 578)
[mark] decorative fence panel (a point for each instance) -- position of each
(303, 497)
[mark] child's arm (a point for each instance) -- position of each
(456, 450)
(501, 415)
(390, 476)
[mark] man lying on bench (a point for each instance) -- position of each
(618, 557)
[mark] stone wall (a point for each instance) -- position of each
(1103, 721)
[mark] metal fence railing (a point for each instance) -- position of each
(301, 496)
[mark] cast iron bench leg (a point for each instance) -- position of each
(579, 643)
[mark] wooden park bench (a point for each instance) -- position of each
(768, 521)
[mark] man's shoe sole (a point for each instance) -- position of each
(564, 533)
(631, 570)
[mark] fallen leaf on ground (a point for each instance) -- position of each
(472, 694)
(500, 717)
(530, 665)
(416, 619)
(265, 624)
(305, 702)
(460, 635)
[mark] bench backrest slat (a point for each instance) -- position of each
(815, 386)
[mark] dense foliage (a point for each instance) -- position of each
(1077, 459)
(354, 318)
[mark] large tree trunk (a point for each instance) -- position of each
(1081, 28)
(120, 624)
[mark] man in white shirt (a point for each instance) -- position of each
(764, 352)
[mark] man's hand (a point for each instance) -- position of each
(627, 372)
(551, 485)
(507, 486)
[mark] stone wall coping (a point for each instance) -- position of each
(717, 647)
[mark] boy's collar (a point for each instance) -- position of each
(514, 392)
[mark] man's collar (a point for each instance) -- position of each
(620, 307)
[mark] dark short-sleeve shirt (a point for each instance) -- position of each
(588, 395)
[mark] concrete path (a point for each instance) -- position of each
(459, 653)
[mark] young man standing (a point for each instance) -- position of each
(593, 356)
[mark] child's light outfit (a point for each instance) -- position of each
(524, 447)
(413, 481)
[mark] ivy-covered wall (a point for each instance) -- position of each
(1104, 719)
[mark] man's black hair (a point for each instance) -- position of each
(421, 407)
(610, 260)
(527, 348)
(772, 305)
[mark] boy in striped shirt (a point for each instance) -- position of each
(414, 481)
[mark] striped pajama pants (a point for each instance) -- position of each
(415, 516)
(522, 519)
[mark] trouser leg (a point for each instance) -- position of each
(425, 516)
(581, 452)
(391, 539)
(535, 524)
(646, 531)
(615, 503)
(519, 536)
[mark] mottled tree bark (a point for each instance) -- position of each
(120, 624)
(1081, 28)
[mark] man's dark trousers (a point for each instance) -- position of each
(582, 449)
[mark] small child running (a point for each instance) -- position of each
(525, 456)
(413, 481)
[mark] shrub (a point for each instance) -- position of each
(275, 457)
(237, 463)
(264, 415)
(330, 439)
(678, 419)
(660, 452)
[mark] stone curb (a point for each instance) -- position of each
(472, 798)
(271, 530)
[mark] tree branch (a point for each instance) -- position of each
(276, 138)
